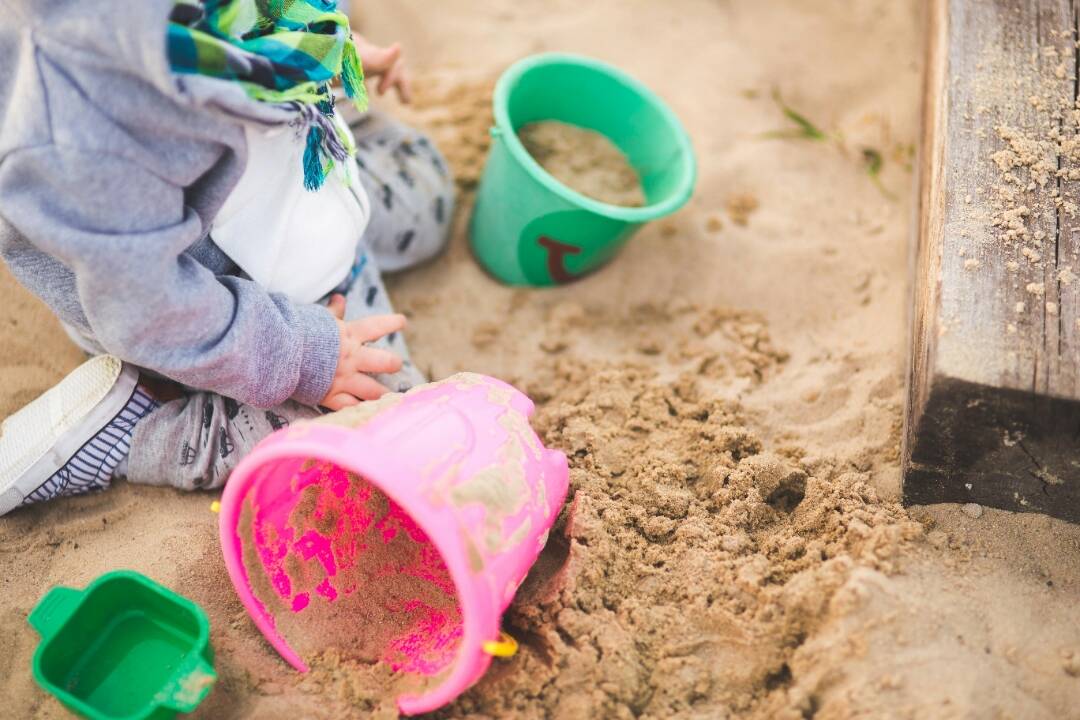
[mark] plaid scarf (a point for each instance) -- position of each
(280, 51)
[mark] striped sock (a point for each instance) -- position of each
(92, 467)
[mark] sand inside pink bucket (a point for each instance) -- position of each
(355, 587)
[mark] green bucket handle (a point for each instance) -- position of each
(194, 679)
(53, 610)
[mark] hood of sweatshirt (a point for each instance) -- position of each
(118, 38)
(121, 35)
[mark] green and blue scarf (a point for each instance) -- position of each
(280, 51)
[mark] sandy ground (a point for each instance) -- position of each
(729, 391)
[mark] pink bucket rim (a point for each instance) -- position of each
(480, 623)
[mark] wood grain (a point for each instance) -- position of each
(992, 414)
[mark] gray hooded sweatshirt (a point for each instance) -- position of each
(112, 170)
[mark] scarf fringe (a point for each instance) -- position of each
(352, 77)
(314, 170)
(326, 144)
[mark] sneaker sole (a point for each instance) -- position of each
(39, 439)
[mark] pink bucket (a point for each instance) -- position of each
(406, 536)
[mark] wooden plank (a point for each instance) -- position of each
(994, 373)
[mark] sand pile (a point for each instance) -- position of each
(691, 564)
(462, 111)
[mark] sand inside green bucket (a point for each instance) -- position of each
(584, 161)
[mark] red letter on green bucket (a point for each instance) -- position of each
(557, 252)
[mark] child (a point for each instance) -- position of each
(177, 184)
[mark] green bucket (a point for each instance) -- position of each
(530, 229)
(125, 648)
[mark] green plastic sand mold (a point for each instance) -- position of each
(123, 648)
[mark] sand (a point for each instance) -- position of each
(584, 161)
(730, 398)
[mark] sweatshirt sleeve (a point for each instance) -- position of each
(123, 232)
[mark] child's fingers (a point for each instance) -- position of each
(337, 306)
(375, 360)
(397, 78)
(372, 328)
(386, 80)
(340, 401)
(363, 387)
(404, 85)
(379, 60)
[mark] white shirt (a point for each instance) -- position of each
(288, 239)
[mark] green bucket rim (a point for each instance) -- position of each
(505, 128)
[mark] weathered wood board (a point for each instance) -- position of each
(994, 377)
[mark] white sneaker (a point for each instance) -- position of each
(70, 440)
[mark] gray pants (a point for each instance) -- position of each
(195, 442)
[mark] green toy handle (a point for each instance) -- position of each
(193, 681)
(54, 609)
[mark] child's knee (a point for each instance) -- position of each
(412, 191)
(424, 230)
(441, 201)
(443, 173)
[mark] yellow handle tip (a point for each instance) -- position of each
(504, 647)
(215, 507)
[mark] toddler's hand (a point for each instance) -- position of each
(386, 64)
(352, 384)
